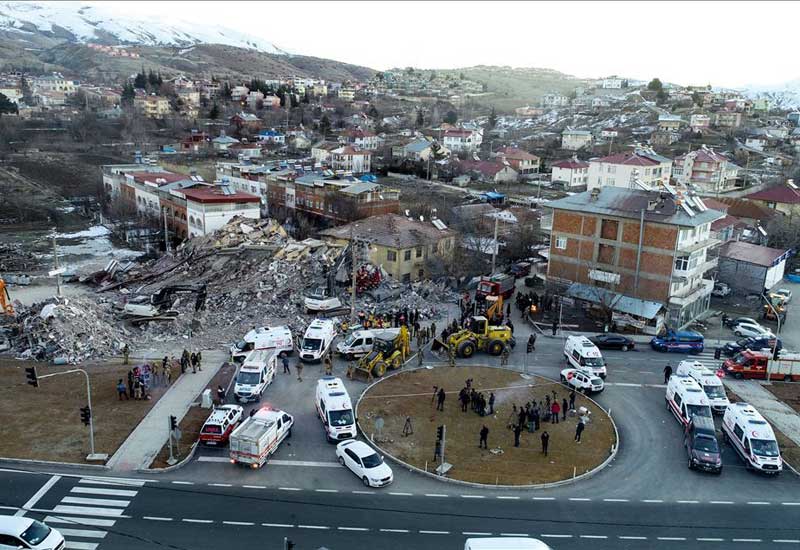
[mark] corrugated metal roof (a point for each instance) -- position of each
(618, 302)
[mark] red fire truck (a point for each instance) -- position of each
(756, 364)
(501, 284)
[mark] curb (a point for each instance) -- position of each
(172, 468)
(411, 468)
(31, 462)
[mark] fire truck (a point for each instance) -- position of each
(500, 284)
(756, 364)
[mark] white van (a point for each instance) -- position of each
(752, 437)
(685, 398)
(255, 374)
(335, 409)
(273, 338)
(581, 353)
(359, 342)
(710, 382)
(317, 340)
(505, 543)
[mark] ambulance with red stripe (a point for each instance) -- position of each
(258, 437)
(685, 398)
(752, 438)
(219, 426)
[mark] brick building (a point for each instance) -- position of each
(597, 239)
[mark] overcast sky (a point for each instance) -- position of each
(721, 43)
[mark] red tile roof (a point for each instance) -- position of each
(571, 164)
(458, 133)
(212, 195)
(631, 159)
(518, 154)
(487, 168)
(781, 193)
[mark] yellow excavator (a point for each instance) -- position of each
(481, 336)
(5, 300)
(385, 355)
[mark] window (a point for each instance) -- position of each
(406, 277)
(391, 256)
(738, 431)
(419, 252)
(561, 243)
(681, 264)
(407, 255)
(421, 273)
(677, 400)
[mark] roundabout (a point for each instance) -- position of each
(385, 406)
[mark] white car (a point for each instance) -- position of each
(582, 380)
(364, 462)
(22, 532)
(754, 330)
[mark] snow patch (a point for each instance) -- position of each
(94, 231)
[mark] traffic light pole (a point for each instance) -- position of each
(92, 455)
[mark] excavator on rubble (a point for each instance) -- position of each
(5, 300)
(161, 302)
(385, 355)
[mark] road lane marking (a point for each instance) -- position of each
(543, 498)
(115, 481)
(759, 503)
(352, 529)
(722, 502)
(238, 523)
(74, 545)
(220, 485)
(95, 501)
(423, 532)
(476, 533)
(594, 536)
(549, 536)
(279, 525)
(156, 518)
(88, 511)
(312, 527)
(615, 500)
(96, 522)
(671, 538)
(106, 492)
(630, 537)
(709, 539)
(279, 488)
(363, 492)
(189, 520)
(653, 501)
(394, 530)
(790, 503)
(438, 495)
(37, 496)
(791, 541)
(402, 494)
(83, 533)
(183, 482)
(262, 487)
(581, 499)
(472, 496)
(326, 490)
(513, 534)
(688, 502)
(507, 498)
(746, 540)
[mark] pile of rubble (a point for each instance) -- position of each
(67, 330)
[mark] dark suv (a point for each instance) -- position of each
(753, 343)
(702, 449)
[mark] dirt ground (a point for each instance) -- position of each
(44, 423)
(789, 393)
(410, 394)
(193, 422)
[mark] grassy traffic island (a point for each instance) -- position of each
(411, 393)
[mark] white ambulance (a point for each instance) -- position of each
(277, 338)
(685, 398)
(359, 342)
(581, 353)
(752, 437)
(258, 437)
(317, 340)
(255, 374)
(709, 381)
(335, 409)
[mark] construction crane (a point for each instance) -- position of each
(5, 300)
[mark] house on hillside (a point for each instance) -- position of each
(574, 140)
(522, 162)
(572, 173)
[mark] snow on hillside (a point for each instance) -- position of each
(88, 23)
(784, 96)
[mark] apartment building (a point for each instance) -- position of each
(621, 169)
(571, 172)
(644, 245)
(710, 171)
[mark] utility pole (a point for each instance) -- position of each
(55, 262)
(353, 275)
(494, 244)
(166, 233)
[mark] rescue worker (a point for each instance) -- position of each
(667, 373)
(126, 351)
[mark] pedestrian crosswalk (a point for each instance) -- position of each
(91, 505)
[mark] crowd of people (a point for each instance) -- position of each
(143, 378)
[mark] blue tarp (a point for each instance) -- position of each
(493, 195)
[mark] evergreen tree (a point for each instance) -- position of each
(372, 112)
(27, 94)
(451, 117)
(213, 114)
(128, 93)
(325, 125)
(492, 122)
(7, 106)
(655, 85)
(420, 119)
(140, 81)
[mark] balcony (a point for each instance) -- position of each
(698, 292)
(690, 247)
(683, 274)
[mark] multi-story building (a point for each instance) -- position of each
(646, 245)
(728, 119)
(210, 207)
(611, 83)
(571, 172)
(710, 171)
(555, 100)
(152, 106)
(401, 246)
(462, 140)
(522, 162)
(573, 140)
(347, 94)
(360, 138)
(622, 169)
(351, 159)
(55, 83)
(699, 122)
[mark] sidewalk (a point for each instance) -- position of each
(778, 413)
(146, 440)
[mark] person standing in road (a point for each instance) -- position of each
(199, 360)
(491, 404)
(555, 409)
(667, 373)
(532, 343)
(299, 369)
(579, 430)
(545, 442)
(328, 365)
(564, 409)
(555, 327)
(517, 431)
(221, 394)
(285, 362)
(483, 443)
(440, 400)
(193, 360)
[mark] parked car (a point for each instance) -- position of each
(732, 322)
(721, 290)
(732, 348)
(612, 341)
(752, 329)
(682, 342)
(700, 442)
(22, 532)
(582, 380)
(784, 293)
(364, 462)
(520, 269)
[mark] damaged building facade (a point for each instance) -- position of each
(647, 245)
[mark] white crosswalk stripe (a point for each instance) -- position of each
(73, 516)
